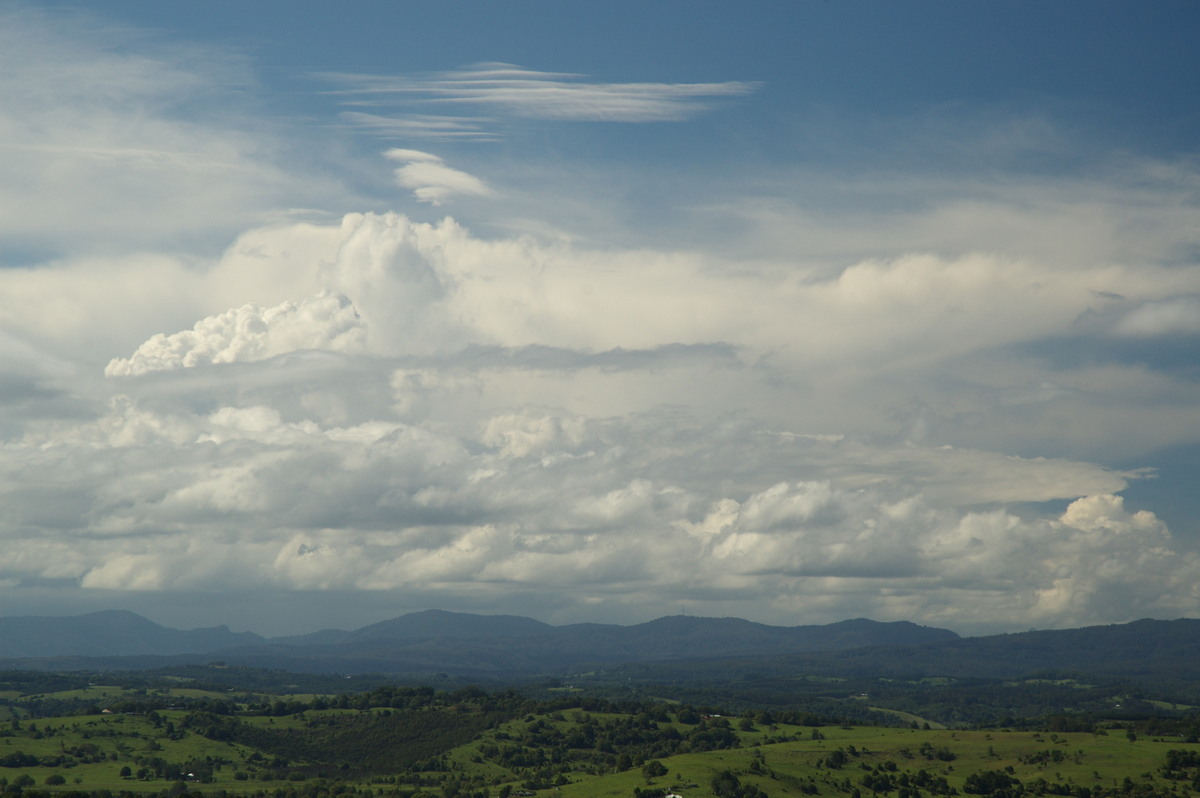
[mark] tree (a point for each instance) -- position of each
(991, 782)
(836, 759)
(726, 785)
(653, 768)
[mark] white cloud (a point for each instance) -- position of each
(546, 95)
(802, 395)
(1171, 316)
(520, 92)
(450, 451)
(250, 333)
(431, 180)
(421, 126)
(110, 143)
(541, 502)
(549, 95)
(890, 338)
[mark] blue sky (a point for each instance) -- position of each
(314, 315)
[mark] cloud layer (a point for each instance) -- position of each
(458, 420)
(797, 389)
(627, 512)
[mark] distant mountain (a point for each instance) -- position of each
(687, 637)
(497, 645)
(506, 647)
(425, 625)
(109, 633)
(1160, 655)
(1140, 648)
(438, 641)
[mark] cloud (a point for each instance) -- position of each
(541, 502)
(112, 142)
(1178, 315)
(801, 391)
(250, 333)
(423, 126)
(512, 91)
(33, 384)
(431, 180)
(890, 339)
(471, 422)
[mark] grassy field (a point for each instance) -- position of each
(156, 749)
(95, 748)
(798, 768)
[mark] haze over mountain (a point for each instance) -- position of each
(436, 639)
(109, 633)
(510, 647)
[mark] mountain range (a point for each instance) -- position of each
(513, 647)
(433, 640)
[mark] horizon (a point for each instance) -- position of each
(790, 313)
(430, 610)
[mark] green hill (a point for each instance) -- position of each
(171, 736)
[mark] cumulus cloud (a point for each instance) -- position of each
(470, 420)
(538, 502)
(888, 337)
(250, 333)
(521, 292)
(818, 395)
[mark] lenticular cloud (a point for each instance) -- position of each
(326, 321)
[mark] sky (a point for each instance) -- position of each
(313, 315)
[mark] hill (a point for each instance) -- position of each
(108, 633)
(507, 647)
(432, 641)
(670, 650)
(171, 737)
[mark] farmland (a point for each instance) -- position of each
(175, 738)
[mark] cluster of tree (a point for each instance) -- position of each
(724, 784)
(66, 757)
(1183, 765)
(839, 680)
(363, 742)
(605, 743)
(994, 784)
(727, 785)
(25, 787)
(400, 736)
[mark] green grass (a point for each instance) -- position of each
(791, 768)
(908, 717)
(97, 692)
(785, 769)
(122, 739)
